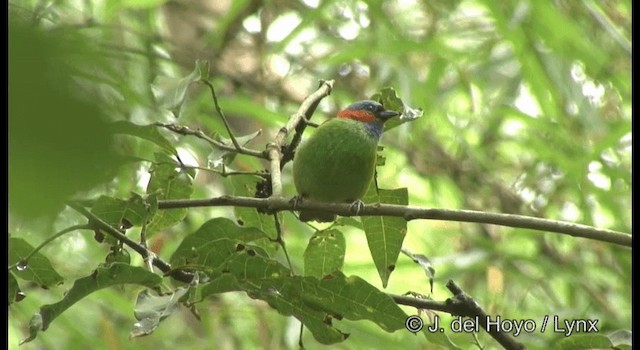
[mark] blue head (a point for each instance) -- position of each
(369, 112)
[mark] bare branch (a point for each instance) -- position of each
(237, 145)
(300, 120)
(296, 121)
(183, 130)
(411, 213)
(98, 223)
(462, 305)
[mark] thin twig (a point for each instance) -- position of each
(224, 172)
(96, 222)
(237, 145)
(25, 260)
(461, 305)
(183, 130)
(607, 25)
(411, 213)
(281, 242)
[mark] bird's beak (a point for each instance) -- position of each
(384, 115)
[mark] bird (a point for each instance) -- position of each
(337, 163)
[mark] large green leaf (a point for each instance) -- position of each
(584, 342)
(168, 181)
(117, 212)
(59, 140)
(315, 302)
(324, 253)
(147, 132)
(37, 269)
(213, 242)
(250, 217)
(385, 233)
(102, 277)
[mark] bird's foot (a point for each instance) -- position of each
(356, 207)
(295, 201)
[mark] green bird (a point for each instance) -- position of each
(338, 162)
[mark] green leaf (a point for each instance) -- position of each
(240, 267)
(59, 140)
(170, 93)
(385, 233)
(117, 212)
(584, 342)
(151, 309)
(219, 157)
(325, 253)
(621, 338)
(219, 231)
(147, 132)
(15, 294)
(315, 302)
(102, 277)
(388, 97)
(250, 217)
(38, 269)
(169, 181)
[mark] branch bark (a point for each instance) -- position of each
(98, 223)
(410, 213)
(297, 121)
(462, 305)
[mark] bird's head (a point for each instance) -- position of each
(369, 112)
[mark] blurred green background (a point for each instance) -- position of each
(527, 110)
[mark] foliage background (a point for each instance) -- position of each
(527, 110)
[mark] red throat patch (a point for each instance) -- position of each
(359, 115)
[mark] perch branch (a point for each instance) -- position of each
(411, 213)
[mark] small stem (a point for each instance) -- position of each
(183, 130)
(96, 222)
(280, 241)
(221, 114)
(49, 240)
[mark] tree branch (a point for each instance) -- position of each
(98, 223)
(410, 213)
(461, 305)
(300, 120)
(186, 131)
(296, 121)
